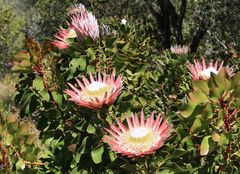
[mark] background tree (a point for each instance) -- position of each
(11, 34)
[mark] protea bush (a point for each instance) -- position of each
(19, 144)
(211, 115)
(81, 99)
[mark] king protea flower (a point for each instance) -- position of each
(201, 71)
(178, 49)
(140, 137)
(85, 25)
(62, 37)
(76, 9)
(97, 92)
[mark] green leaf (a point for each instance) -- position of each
(215, 137)
(112, 155)
(208, 111)
(199, 125)
(45, 96)
(88, 41)
(220, 80)
(83, 63)
(24, 129)
(57, 97)
(21, 62)
(22, 55)
(201, 85)
(97, 154)
(91, 69)
(91, 53)
(187, 110)
(78, 63)
(197, 97)
(24, 66)
(207, 146)
(83, 146)
(220, 119)
(235, 80)
(175, 167)
(9, 139)
(30, 139)
(110, 42)
(236, 154)
(215, 94)
(20, 164)
(26, 99)
(188, 141)
(224, 139)
(38, 84)
(91, 129)
(12, 123)
(34, 49)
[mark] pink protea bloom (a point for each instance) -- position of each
(85, 25)
(76, 9)
(140, 138)
(97, 92)
(179, 50)
(201, 71)
(62, 37)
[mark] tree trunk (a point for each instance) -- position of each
(201, 31)
(164, 5)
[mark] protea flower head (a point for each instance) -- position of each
(140, 137)
(62, 37)
(201, 71)
(85, 25)
(178, 49)
(97, 92)
(76, 9)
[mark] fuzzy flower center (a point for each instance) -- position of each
(139, 132)
(206, 73)
(96, 89)
(95, 86)
(139, 140)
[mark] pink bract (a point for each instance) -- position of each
(62, 38)
(140, 137)
(179, 50)
(76, 9)
(202, 71)
(85, 25)
(97, 92)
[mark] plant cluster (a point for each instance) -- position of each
(82, 89)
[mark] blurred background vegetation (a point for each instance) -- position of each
(209, 27)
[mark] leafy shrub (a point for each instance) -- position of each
(153, 80)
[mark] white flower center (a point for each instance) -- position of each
(206, 73)
(96, 86)
(139, 132)
(139, 140)
(95, 89)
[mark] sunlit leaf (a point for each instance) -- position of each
(97, 154)
(207, 146)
